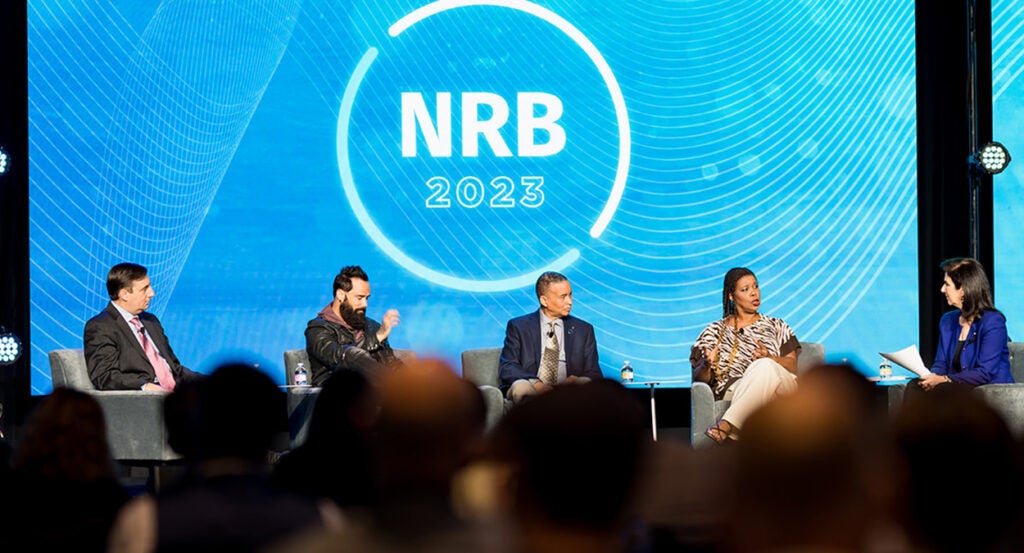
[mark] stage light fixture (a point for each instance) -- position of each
(10, 347)
(992, 158)
(3, 161)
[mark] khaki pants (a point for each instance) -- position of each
(763, 380)
(523, 389)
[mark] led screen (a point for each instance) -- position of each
(1007, 122)
(244, 152)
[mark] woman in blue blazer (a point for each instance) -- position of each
(973, 346)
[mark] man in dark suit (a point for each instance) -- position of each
(125, 347)
(548, 347)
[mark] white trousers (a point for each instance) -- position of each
(763, 380)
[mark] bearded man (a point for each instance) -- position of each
(342, 338)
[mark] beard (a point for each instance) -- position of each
(356, 318)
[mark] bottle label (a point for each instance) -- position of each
(885, 370)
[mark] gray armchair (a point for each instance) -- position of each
(705, 411)
(301, 399)
(1008, 399)
(480, 366)
(135, 419)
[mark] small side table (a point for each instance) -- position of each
(653, 385)
(894, 387)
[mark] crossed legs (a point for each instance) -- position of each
(763, 380)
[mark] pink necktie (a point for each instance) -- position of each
(163, 372)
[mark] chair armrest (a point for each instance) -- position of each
(1008, 401)
(135, 425)
(494, 400)
(702, 413)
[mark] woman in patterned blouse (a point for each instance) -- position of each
(745, 357)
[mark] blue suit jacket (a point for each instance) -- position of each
(986, 356)
(520, 357)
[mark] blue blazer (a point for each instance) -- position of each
(520, 357)
(986, 356)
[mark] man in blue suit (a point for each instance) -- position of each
(548, 347)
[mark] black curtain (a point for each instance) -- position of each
(14, 379)
(943, 142)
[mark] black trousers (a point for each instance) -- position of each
(914, 390)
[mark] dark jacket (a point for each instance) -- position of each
(520, 357)
(333, 347)
(115, 358)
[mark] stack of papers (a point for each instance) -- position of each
(908, 358)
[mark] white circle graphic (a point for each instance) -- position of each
(378, 236)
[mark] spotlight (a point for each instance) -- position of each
(3, 161)
(10, 347)
(992, 158)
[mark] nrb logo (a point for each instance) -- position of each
(459, 117)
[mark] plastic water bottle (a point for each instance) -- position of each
(300, 375)
(885, 369)
(627, 372)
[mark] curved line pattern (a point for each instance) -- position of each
(352, 194)
(134, 120)
(621, 113)
(1007, 121)
(777, 135)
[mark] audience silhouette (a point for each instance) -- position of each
(961, 468)
(822, 469)
(61, 494)
(334, 462)
(223, 425)
(572, 458)
(810, 468)
(430, 424)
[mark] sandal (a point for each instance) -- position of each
(720, 435)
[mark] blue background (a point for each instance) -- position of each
(200, 139)
(1007, 192)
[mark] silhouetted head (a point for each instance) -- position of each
(804, 463)
(574, 455)
(240, 409)
(958, 454)
(429, 423)
(183, 418)
(347, 405)
(65, 438)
